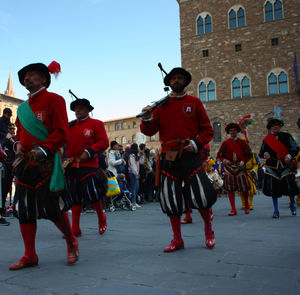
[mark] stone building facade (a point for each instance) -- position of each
(241, 55)
(8, 100)
(127, 131)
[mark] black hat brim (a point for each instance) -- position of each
(39, 67)
(82, 102)
(273, 122)
(233, 125)
(185, 73)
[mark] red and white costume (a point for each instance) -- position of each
(237, 151)
(87, 135)
(33, 199)
(183, 181)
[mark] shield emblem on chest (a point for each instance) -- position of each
(188, 109)
(87, 132)
(41, 115)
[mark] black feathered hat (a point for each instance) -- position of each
(232, 125)
(53, 68)
(81, 102)
(185, 73)
(274, 121)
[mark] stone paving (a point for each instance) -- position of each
(254, 254)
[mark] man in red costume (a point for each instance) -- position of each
(87, 138)
(279, 149)
(235, 153)
(184, 129)
(40, 192)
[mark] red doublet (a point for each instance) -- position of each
(50, 109)
(234, 177)
(227, 153)
(180, 118)
(85, 134)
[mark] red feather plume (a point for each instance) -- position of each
(54, 68)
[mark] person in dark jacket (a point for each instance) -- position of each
(7, 144)
(279, 149)
(4, 122)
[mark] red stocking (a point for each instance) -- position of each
(101, 216)
(231, 198)
(28, 232)
(177, 242)
(175, 222)
(209, 234)
(30, 258)
(188, 217)
(76, 211)
(62, 228)
(247, 208)
(206, 218)
(71, 257)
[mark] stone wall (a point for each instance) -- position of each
(261, 108)
(256, 59)
(129, 132)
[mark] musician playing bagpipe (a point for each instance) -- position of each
(87, 137)
(184, 129)
(42, 127)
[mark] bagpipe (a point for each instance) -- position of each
(159, 102)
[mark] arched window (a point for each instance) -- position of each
(245, 87)
(283, 84)
(232, 19)
(211, 91)
(277, 82)
(217, 132)
(204, 23)
(236, 17)
(236, 88)
(208, 24)
(241, 17)
(117, 126)
(123, 140)
(278, 9)
(268, 12)
(207, 90)
(272, 81)
(240, 86)
(200, 26)
(273, 10)
(202, 91)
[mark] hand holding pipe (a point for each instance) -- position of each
(154, 105)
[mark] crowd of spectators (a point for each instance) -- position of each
(7, 155)
(135, 165)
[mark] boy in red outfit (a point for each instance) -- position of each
(87, 137)
(235, 153)
(40, 193)
(184, 129)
